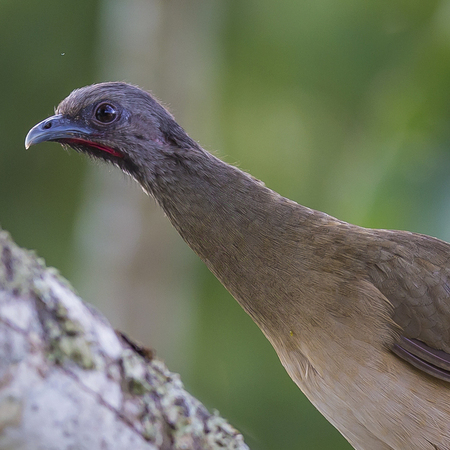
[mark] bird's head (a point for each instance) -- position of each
(116, 122)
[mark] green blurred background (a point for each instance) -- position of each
(341, 105)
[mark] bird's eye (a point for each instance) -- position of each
(106, 113)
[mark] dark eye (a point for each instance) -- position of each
(106, 113)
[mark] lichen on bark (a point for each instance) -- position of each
(68, 380)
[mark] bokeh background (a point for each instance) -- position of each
(341, 105)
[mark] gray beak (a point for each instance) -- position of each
(55, 128)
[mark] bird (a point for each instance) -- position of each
(359, 317)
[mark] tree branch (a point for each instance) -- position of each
(69, 381)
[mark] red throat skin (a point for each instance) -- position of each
(87, 143)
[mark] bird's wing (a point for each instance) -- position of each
(413, 272)
(420, 355)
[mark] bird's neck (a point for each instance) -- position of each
(239, 228)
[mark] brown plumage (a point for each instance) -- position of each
(360, 318)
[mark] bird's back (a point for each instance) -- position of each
(372, 288)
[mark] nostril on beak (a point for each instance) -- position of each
(47, 125)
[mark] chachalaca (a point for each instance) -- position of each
(360, 318)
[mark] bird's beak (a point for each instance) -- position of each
(56, 128)
(67, 131)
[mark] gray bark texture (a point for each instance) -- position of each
(69, 381)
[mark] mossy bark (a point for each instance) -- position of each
(68, 380)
